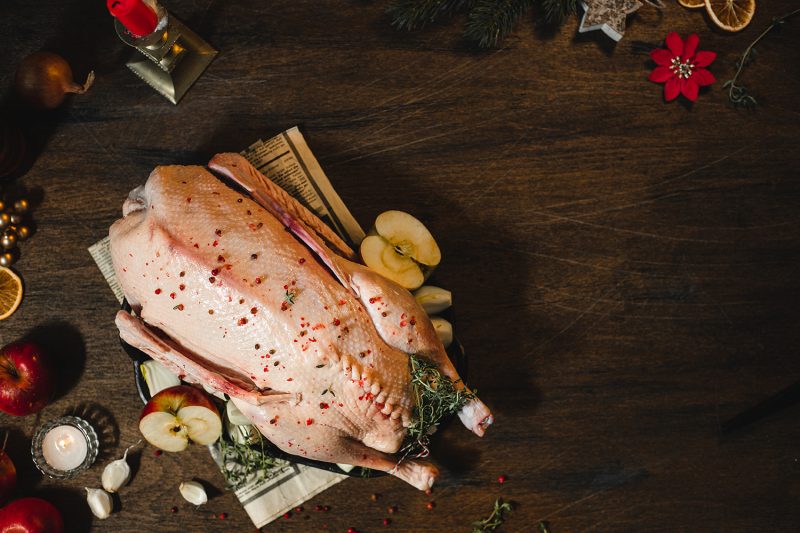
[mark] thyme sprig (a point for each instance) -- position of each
(243, 462)
(436, 397)
(494, 520)
(738, 94)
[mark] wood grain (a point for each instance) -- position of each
(625, 271)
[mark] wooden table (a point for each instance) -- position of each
(625, 270)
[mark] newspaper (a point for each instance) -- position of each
(287, 160)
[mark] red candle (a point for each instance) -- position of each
(137, 17)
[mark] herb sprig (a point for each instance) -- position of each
(243, 462)
(436, 397)
(738, 94)
(494, 520)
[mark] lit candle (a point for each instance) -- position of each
(64, 447)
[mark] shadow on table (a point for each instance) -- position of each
(63, 344)
(72, 504)
(104, 423)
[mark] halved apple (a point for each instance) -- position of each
(177, 415)
(401, 248)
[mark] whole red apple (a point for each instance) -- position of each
(8, 477)
(30, 515)
(26, 379)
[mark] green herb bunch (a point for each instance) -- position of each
(243, 462)
(488, 21)
(436, 397)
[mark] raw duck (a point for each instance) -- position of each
(253, 296)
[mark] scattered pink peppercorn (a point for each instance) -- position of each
(287, 514)
(157, 453)
(386, 521)
(223, 516)
(173, 510)
(430, 505)
(502, 479)
(298, 509)
(352, 530)
(392, 509)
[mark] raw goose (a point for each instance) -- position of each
(255, 298)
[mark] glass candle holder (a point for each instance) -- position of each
(64, 447)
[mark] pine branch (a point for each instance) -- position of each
(491, 20)
(415, 14)
(556, 11)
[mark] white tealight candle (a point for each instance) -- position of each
(64, 447)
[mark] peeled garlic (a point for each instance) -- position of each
(99, 502)
(157, 376)
(433, 299)
(235, 415)
(193, 492)
(444, 330)
(117, 473)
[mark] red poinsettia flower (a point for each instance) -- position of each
(681, 67)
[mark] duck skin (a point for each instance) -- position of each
(253, 296)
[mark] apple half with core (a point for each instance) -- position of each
(401, 248)
(177, 415)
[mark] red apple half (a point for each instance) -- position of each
(31, 515)
(26, 380)
(177, 415)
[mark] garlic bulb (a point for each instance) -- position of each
(99, 502)
(117, 473)
(433, 299)
(157, 376)
(193, 492)
(235, 415)
(444, 330)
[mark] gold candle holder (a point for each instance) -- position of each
(172, 57)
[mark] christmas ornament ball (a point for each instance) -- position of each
(7, 259)
(8, 240)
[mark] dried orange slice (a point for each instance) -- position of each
(731, 15)
(10, 292)
(692, 4)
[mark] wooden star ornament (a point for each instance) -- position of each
(607, 15)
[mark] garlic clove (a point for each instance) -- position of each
(193, 492)
(117, 473)
(100, 502)
(235, 415)
(157, 376)
(444, 330)
(433, 299)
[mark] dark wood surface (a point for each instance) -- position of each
(625, 271)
